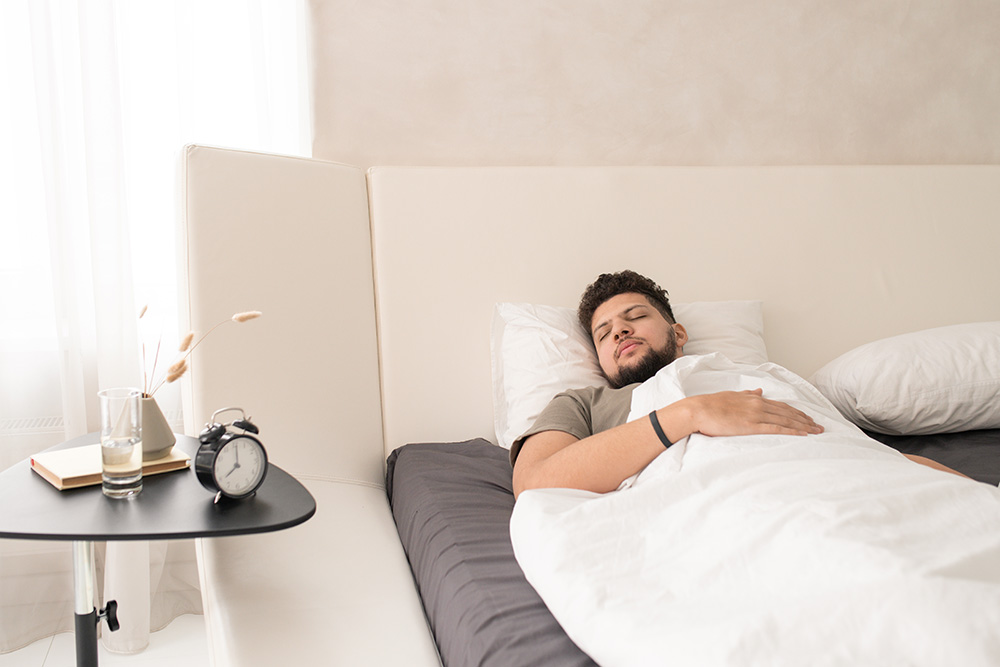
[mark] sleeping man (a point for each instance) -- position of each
(754, 525)
(582, 441)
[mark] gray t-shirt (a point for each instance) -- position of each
(581, 413)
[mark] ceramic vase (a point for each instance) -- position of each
(157, 438)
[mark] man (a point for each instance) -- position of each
(581, 440)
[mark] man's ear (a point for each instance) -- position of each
(682, 334)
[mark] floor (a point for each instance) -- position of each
(181, 642)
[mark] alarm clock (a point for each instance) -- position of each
(231, 463)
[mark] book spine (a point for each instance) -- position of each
(46, 475)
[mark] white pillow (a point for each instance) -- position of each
(935, 381)
(539, 351)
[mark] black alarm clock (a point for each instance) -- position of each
(230, 463)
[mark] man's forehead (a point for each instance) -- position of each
(617, 305)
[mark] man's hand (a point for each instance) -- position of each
(735, 413)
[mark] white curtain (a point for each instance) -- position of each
(98, 98)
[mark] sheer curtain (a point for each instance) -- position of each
(99, 96)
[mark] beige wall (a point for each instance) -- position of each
(656, 82)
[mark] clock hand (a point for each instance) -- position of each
(236, 451)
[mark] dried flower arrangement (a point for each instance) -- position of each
(180, 367)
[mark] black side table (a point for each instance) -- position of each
(172, 505)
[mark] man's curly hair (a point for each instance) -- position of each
(609, 285)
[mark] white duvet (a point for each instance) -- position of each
(827, 549)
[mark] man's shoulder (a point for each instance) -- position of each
(580, 412)
(591, 395)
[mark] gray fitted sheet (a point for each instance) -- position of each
(452, 505)
(972, 453)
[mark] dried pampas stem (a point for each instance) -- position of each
(177, 370)
(238, 317)
(174, 373)
(180, 367)
(156, 358)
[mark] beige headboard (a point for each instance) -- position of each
(289, 237)
(839, 255)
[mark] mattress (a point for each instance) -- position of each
(452, 505)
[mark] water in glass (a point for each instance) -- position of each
(121, 466)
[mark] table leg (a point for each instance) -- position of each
(83, 594)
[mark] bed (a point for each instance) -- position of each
(452, 502)
(401, 287)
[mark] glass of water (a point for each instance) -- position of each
(121, 442)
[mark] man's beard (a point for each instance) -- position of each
(648, 366)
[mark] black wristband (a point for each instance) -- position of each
(655, 421)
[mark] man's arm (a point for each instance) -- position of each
(933, 464)
(602, 461)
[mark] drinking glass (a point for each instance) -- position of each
(121, 442)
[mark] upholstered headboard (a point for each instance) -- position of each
(839, 256)
(289, 237)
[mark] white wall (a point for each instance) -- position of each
(656, 82)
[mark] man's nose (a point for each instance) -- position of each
(622, 330)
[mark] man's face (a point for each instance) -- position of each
(633, 339)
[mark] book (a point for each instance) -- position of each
(81, 466)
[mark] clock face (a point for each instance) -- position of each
(240, 466)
